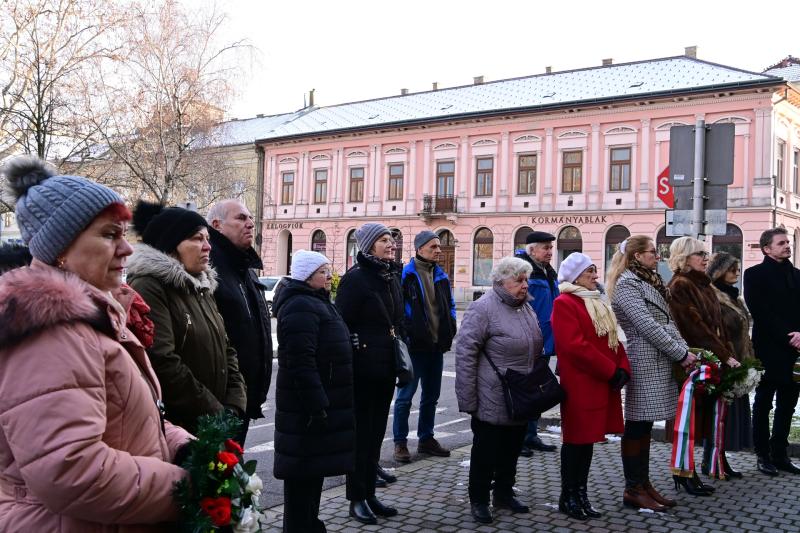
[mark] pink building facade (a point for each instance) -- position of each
(585, 170)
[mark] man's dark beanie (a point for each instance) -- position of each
(164, 228)
(423, 238)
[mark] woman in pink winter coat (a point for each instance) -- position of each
(83, 446)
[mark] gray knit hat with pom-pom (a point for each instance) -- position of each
(53, 210)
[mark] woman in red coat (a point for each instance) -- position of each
(593, 368)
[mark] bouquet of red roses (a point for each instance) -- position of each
(221, 492)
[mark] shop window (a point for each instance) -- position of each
(519, 238)
(614, 236)
(448, 259)
(352, 248)
(569, 241)
(482, 254)
(319, 241)
(397, 235)
(663, 243)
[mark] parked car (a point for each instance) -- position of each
(270, 288)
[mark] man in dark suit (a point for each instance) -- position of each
(240, 299)
(772, 292)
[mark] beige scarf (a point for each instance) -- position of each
(605, 323)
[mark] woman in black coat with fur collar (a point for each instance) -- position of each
(314, 423)
(371, 302)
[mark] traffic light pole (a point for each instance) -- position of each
(698, 198)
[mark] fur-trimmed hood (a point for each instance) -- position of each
(147, 261)
(41, 296)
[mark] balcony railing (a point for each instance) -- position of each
(434, 204)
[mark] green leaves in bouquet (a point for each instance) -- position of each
(250, 467)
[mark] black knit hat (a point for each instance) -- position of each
(164, 228)
(721, 263)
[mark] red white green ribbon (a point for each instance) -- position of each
(683, 435)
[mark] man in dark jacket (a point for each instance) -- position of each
(543, 287)
(430, 316)
(240, 299)
(772, 292)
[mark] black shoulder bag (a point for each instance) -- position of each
(527, 396)
(404, 369)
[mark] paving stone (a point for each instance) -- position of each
(431, 496)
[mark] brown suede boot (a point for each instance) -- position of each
(638, 498)
(645, 468)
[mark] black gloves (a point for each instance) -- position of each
(317, 422)
(619, 379)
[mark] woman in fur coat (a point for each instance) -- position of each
(697, 313)
(83, 445)
(191, 355)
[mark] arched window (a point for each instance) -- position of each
(318, 241)
(731, 242)
(614, 236)
(352, 248)
(448, 260)
(569, 241)
(397, 235)
(482, 253)
(662, 245)
(519, 238)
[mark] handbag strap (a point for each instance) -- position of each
(494, 366)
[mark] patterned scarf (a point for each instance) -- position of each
(650, 276)
(603, 319)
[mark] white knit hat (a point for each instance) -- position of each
(305, 262)
(573, 266)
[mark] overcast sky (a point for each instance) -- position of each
(351, 50)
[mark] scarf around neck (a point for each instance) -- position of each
(603, 319)
(650, 276)
(507, 298)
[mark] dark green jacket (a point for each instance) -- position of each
(194, 362)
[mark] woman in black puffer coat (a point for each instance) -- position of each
(314, 422)
(371, 302)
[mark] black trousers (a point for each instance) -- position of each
(372, 398)
(495, 450)
(301, 505)
(786, 399)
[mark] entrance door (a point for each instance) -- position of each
(448, 260)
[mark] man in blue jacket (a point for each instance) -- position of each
(430, 315)
(543, 286)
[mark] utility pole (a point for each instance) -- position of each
(698, 203)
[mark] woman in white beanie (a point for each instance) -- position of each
(371, 302)
(593, 368)
(314, 422)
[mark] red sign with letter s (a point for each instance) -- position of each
(664, 189)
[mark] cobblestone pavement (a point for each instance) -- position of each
(431, 495)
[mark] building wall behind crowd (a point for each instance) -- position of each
(588, 177)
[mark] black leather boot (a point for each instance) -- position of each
(481, 513)
(586, 505)
(380, 509)
(504, 501)
(569, 504)
(384, 475)
(360, 511)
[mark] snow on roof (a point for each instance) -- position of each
(790, 73)
(245, 131)
(613, 82)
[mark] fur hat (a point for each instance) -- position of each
(573, 266)
(305, 263)
(164, 228)
(367, 234)
(720, 264)
(52, 210)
